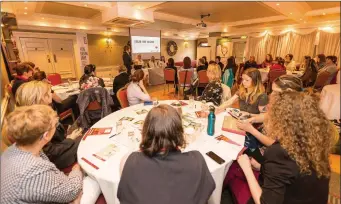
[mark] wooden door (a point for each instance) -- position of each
(36, 50)
(63, 57)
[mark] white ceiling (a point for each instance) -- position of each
(177, 18)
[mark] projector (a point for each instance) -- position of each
(202, 25)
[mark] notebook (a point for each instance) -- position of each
(230, 125)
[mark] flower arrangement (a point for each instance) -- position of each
(92, 82)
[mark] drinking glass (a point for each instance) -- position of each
(155, 101)
(191, 102)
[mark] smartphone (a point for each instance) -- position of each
(215, 157)
(148, 103)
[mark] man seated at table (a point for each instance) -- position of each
(152, 63)
(24, 72)
(251, 63)
(120, 81)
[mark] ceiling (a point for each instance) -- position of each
(174, 19)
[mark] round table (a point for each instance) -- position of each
(106, 173)
(330, 101)
(65, 90)
(264, 73)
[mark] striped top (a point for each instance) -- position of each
(26, 178)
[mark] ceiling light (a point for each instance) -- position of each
(25, 13)
(25, 8)
(86, 5)
(277, 4)
(243, 37)
(43, 18)
(326, 28)
(2, 25)
(225, 29)
(290, 13)
(82, 27)
(324, 14)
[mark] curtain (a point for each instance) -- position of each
(329, 44)
(280, 45)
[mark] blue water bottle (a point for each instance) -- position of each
(211, 121)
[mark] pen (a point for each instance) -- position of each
(113, 135)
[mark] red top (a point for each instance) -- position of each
(277, 67)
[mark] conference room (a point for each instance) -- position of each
(197, 102)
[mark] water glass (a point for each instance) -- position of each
(155, 101)
(191, 102)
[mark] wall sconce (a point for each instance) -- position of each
(108, 41)
(186, 44)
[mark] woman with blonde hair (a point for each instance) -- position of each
(27, 175)
(296, 167)
(251, 94)
(62, 149)
(213, 91)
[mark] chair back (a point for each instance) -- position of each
(226, 93)
(194, 63)
(122, 97)
(94, 105)
(321, 80)
(54, 78)
(180, 64)
(169, 75)
(203, 79)
(182, 76)
(274, 74)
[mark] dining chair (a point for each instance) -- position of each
(184, 80)
(54, 78)
(169, 76)
(123, 97)
(272, 75)
(321, 80)
(203, 79)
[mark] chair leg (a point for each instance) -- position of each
(164, 89)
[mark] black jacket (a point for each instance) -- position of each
(60, 150)
(127, 61)
(249, 64)
(201, 67)
(120, 81)
(17, 82)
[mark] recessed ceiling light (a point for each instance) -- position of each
(25, 8)
(25, 13)
(225, 29)
(86, 5)
(324, 14)
(277, 4)
(43, 18)
(290, 13)
(301, 19)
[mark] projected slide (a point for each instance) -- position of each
(143, 44)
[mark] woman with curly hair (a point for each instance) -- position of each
(296, 167)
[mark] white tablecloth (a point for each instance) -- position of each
(264, 74)
(65, 90)
(107, 175)
(330, 101)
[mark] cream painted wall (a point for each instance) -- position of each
(183, 51)
(101, 55)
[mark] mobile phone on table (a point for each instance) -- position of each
(215, 157)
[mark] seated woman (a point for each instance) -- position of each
(62, 149)
(282, 83)
(278, 65)
(139, 61)
(162, 62)
(320, 61)
(170, 65)
(187, 67)
(89, 77)
(136, 92)
(268, 61)
(310, 72)
(330, 67)
(289, 63)
(27, 175)
(172, 176)
(296, 167)
(59, 104)
(213, 91)
(228, 76)
(152, 63)
(251, 94)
